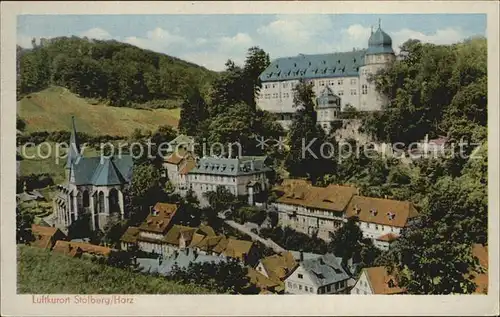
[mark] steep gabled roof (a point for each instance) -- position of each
(325, 270)
(278, 266)
(107, 174)
(91, 171)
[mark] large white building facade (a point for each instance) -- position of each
(347, 74)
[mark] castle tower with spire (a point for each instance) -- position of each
(347, 74)
(378, 55)
(93, 186)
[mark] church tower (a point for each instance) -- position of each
(73, 150)
(378, 55)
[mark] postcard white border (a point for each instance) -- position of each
(222, 305)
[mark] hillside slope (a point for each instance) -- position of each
(120, 73)
(42, 272)
(51, 110)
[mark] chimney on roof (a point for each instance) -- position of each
(301, 255)
(252, 165)
(160, 259)
(186, 251)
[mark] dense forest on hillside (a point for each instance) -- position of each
(436, 90)
(122, 74)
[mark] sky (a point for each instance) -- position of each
(210, 40)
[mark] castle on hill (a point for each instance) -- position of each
(338, 79)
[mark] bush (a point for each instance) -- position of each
(33, 181)
(293, 240)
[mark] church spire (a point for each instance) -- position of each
(74, 145)
(379, 22)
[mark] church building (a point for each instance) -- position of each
(93, 185)
(346, 74)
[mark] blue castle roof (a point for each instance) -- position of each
(379, 42)
(343, 64)
(315, 66)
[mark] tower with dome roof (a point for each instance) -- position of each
(346, 75)
(378, 55)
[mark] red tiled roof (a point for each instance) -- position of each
(362, 208)
(44, 236)
(91, 248)
(159, 223)
(130, 235)
(481, 280)
(43, 230)
(177, 157)
(190, 164)
(380, 281)
(302, 193)
(67, 248)
(388, 237)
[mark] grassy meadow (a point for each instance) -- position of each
(40, 271)
(51, 110)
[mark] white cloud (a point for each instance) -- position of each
(448, 35)
(286, 35)
(211, 60)
(209, 52)
(237, 42)
(159, 40)
(97, 34)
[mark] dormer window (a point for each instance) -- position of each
(356, 209)
(390, 283)
(391, 215)
(373, 212)
(154, 212)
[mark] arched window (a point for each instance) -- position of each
(114, 206)
(101, 202)
(86, 199)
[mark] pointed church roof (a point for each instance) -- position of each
(74, 145)
(107, 173)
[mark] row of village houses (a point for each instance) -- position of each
(289, 272)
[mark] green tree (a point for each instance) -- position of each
(226, 277)
(221, 199)
(143, 191)
(256, 62)
(80, 228)
(346, 242)
(306, 138)
(193, 112)
(190, 214)
(24, 220)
